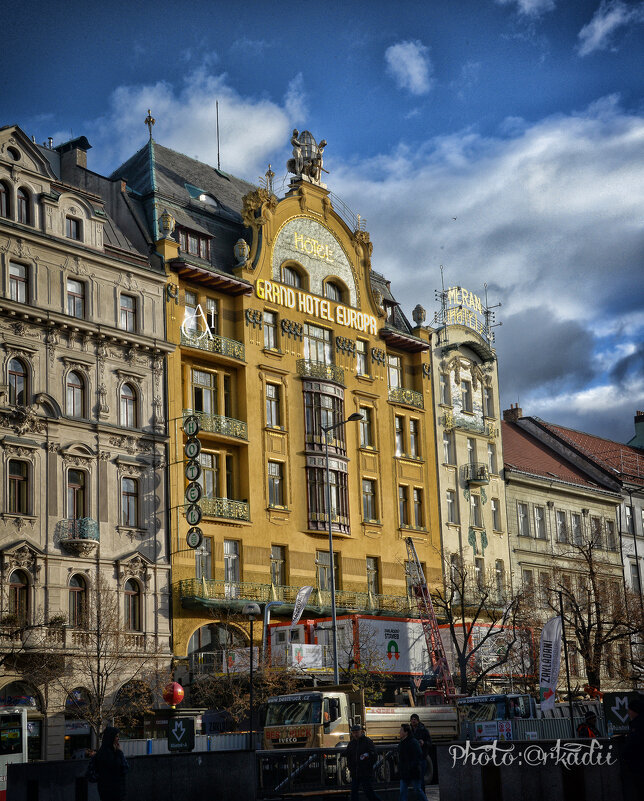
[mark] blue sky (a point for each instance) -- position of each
(522, 119)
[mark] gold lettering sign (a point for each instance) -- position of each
(464, 308)
(312, 247)
(314, 306)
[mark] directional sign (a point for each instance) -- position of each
(181, 734)
(191, 425)
(193, 492)
(194, 537)
(616, 711)
(193, 515)
(192, 448)
(193, 470)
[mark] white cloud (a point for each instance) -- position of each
(409, 65)
(609, 17)
(295, 98)
(530, 8)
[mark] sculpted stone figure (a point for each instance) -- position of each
(307, 157)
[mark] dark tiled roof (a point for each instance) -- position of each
(115, 237)
(395, 316)
(526, 454)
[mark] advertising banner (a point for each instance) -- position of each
(549, 661)
(300, 602)
(393, 646)
(307, 656)
(237, 660)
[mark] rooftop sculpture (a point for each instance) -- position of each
(307, 157)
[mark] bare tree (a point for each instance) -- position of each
(364, 668)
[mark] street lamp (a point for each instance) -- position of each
(334, 631)
(251, 611)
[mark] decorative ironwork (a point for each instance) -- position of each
(216, 344)
(475, 474)
(254, 318)
(407, 396)
(475, 426)
(326, 372)
(344, 345)
(427, 373)
(80, 536)
(225, 507)
(218, 424)
(292, 329)
(378, 356)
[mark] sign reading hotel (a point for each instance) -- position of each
(465, 308)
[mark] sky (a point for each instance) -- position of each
(499, 140)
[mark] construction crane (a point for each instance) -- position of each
(438, 659)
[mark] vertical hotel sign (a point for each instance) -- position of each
(465, 308)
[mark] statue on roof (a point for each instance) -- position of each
(307, 157)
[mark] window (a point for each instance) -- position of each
(403, 505)
(448, 448)
(443, 389)
(455, 575)
(499, 580)
(417, 496)
(523, 520)
(275, 484)
(539, 522)
(528, 579)
(394, 371)
(212, 314)
(74, 395)
(575, 528)
(628, 518)
(18, 487)
(323, 563)
(369, 506)
(278, 565)
(291, 277)
(129, 502)
(23, 207)
(321, 411)
(17, 383)
(76, 500)
(366, 427)
(373, 580)
(452, 508)
(75, 299)
(204, 392)
(128, 313)
(203, 560)
(635, 578)
(399, 436)
(19, 596)
(475, 507)
(361, 357)
(488, 402)
(5, 200)
(195, 244)
(471, 450)
(496, 514)
(132, 595)
(270, 330)
(18, 282)
(466, 395)
(231, 568)
(491, 458)
(77, 602)
(128, 406)
(317, 344)
(332, 291)
(544, 590)
(316, 485)
(414, 441)
(73, 228)
(209, 478)
(272, 406)
(596, 531)
(611, 541)
(562, 528)
(479, 573)
(190, 312)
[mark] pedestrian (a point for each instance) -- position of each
(409, 755)
(361, 758)
(419, 731)
(633, 751)
(110, 766)
(588, 729)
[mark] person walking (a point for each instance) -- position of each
(588, 729)
(361, 757)
(110, 766)
(420, 732)
(409, 756)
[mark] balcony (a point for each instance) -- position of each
(215, 344)
(80, 536)
(475, 474)
(408, 397)
(473, 425)
(320, 370)
(211, 593)
(218, 424)
(225, 507)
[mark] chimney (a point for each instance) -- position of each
(638, 439)
(512, 414)
(73, 154)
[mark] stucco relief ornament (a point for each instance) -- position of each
(258, 206)
(241, 251)
(306, 163)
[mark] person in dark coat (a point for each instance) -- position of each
(409, 756)
(633, 751)
(361, 757)
(419, 731)
(110, 767)
(588, 729)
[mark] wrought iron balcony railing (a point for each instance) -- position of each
(326, 372)
(218, 424)
(407, 396)
(225, 507)
(83, 528)
(473, 425)
(215, 344)
(475, 474)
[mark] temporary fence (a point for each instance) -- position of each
(229, 741)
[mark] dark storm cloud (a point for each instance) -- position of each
(629, 366)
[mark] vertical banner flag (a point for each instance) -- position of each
(549, 660)
(300, 602)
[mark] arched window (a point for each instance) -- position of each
(17, 383)
(129, 502)
(77, 602)
(291, 277)
(18, 487)
(332, 291)
(74, 394)
(128, 406)
(76, 496)
(132, 606)
(19, 596)
(5, 200)
(22, 199)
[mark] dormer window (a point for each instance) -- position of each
(73, 228)
(195, 244)
(208, 200)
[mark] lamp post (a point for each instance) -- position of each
(251, 611)
(334, 631)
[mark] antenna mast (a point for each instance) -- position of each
(218, 159)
